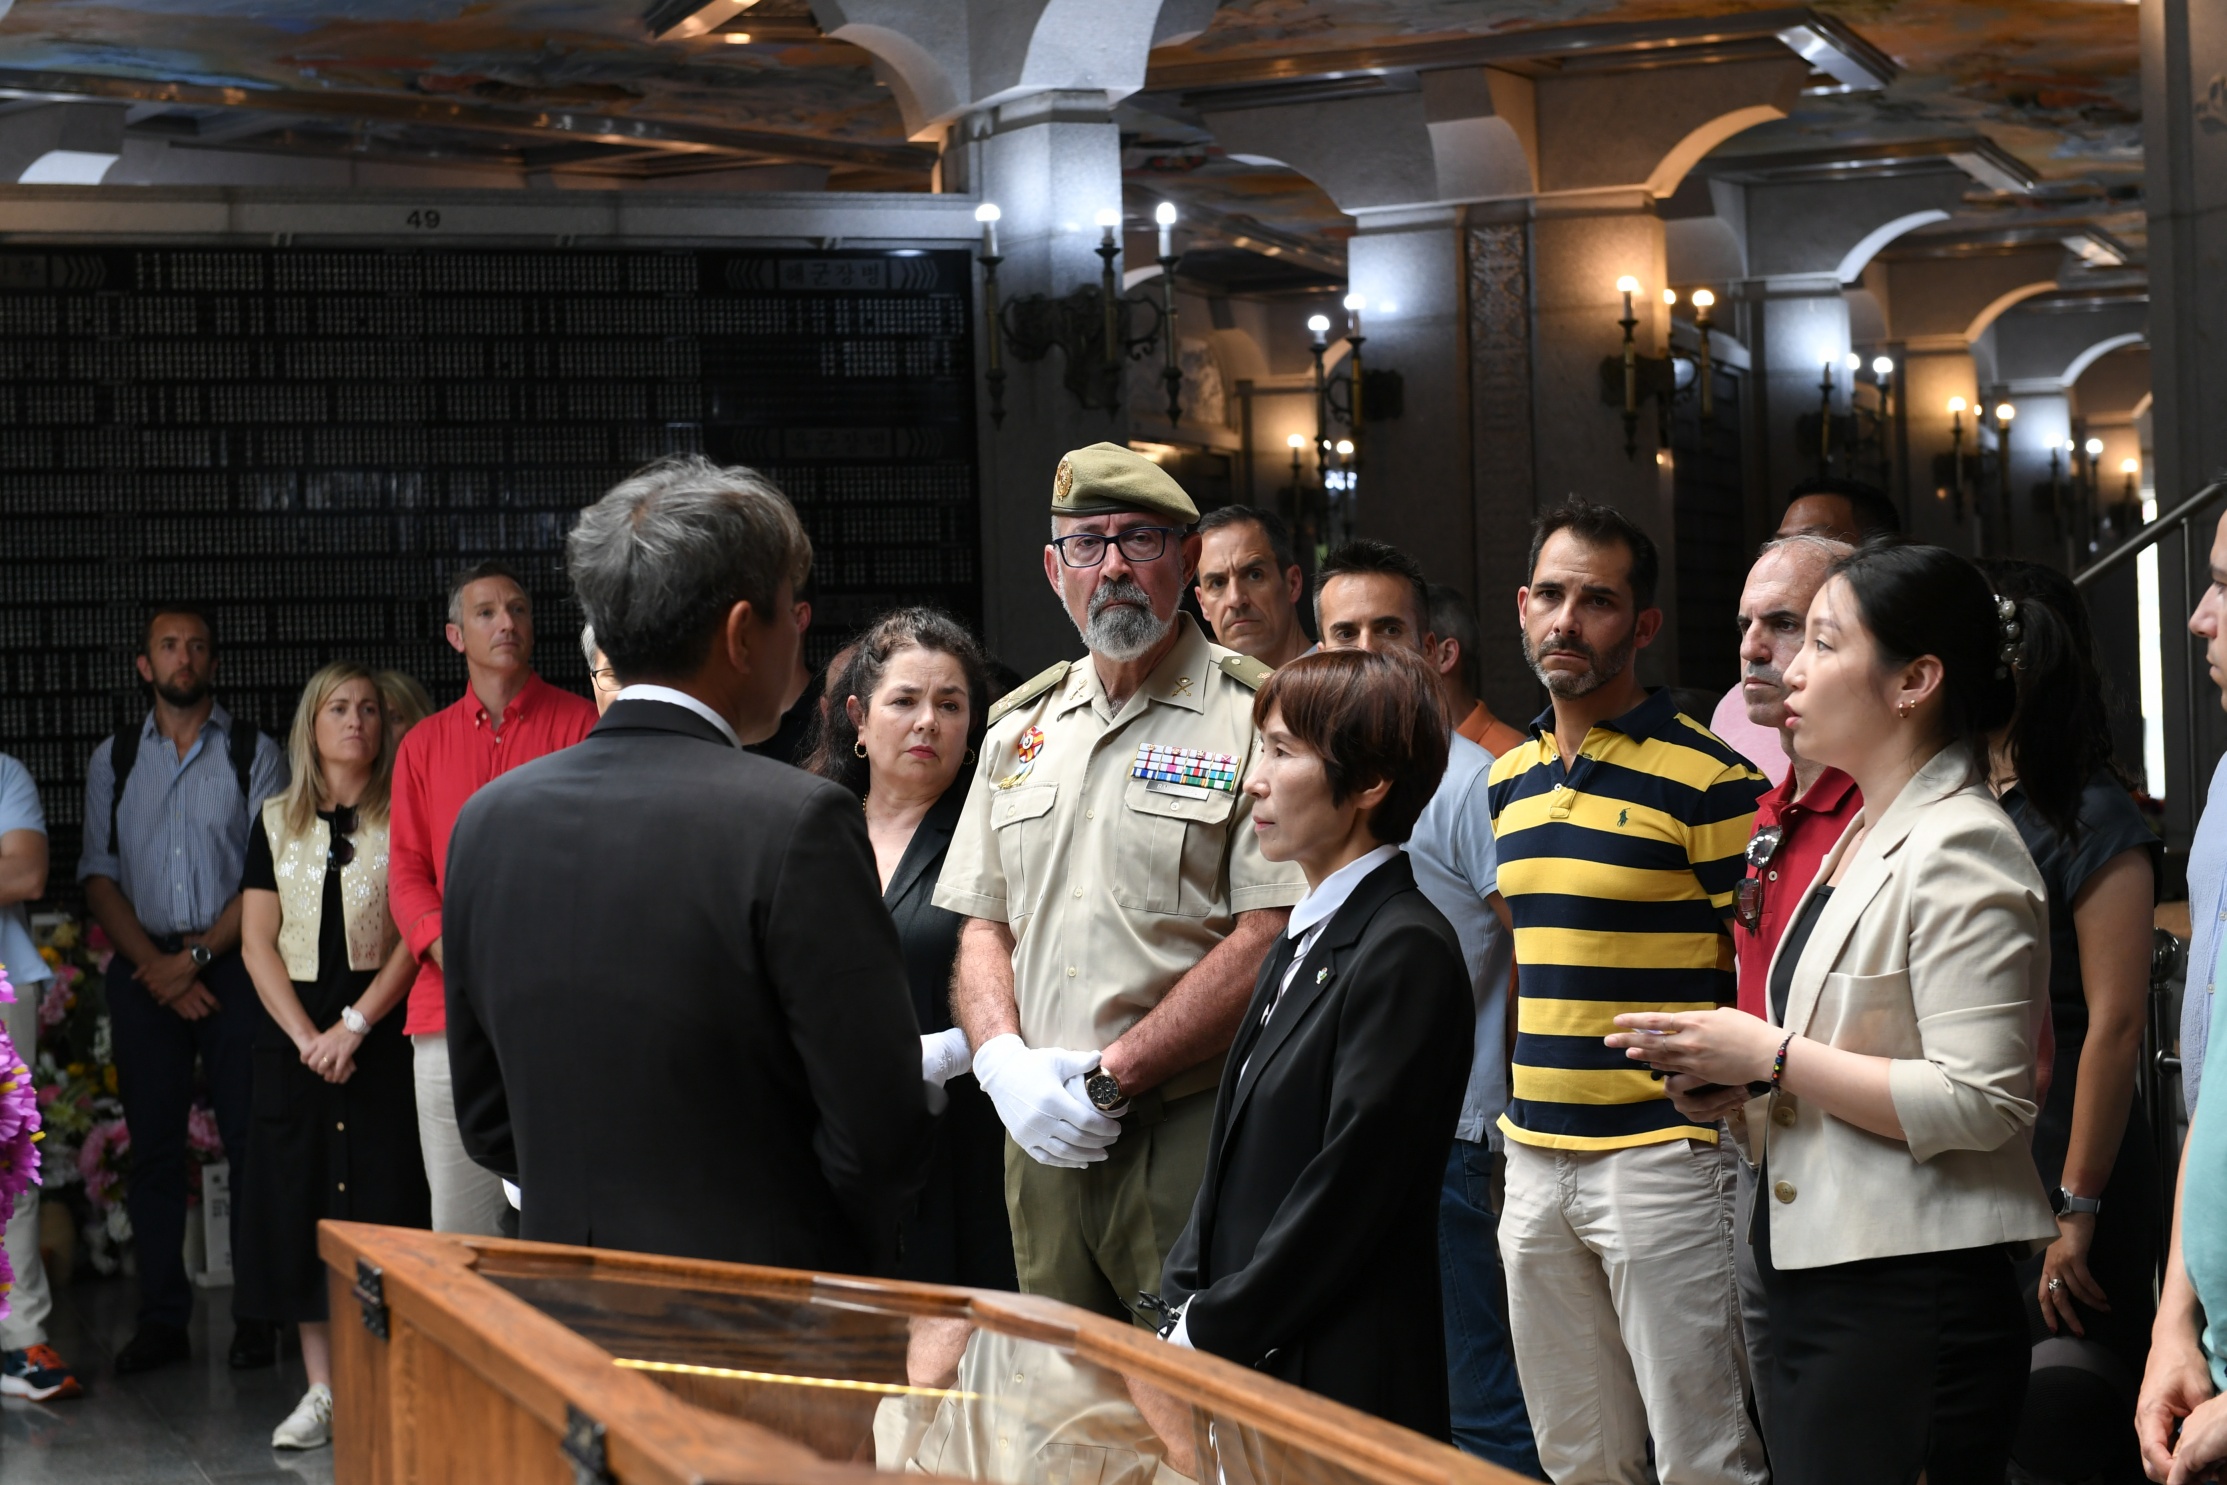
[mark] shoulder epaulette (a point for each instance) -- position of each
(1246, 671)
(1035, 686)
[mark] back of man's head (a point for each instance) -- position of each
(660, 561)
(1274, 528)
(1602, 526)
(1361, 557)
(1452, 618)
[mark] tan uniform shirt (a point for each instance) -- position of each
(1115, 886)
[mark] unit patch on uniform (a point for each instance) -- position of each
(1185, 771)
(1025, 750)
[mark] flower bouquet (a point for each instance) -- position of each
(19, 1134)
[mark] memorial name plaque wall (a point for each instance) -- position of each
(307, 442)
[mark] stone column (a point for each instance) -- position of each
(2184, 146)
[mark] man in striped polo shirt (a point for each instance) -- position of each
(1619, 825)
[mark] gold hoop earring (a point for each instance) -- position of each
(968, 761)
(1905, 709)
(859, 748)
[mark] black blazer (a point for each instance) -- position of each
(1312, 1252)
(677, 1013)
(928, 935)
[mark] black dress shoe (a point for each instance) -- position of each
(156, 1345)
(254, 1344)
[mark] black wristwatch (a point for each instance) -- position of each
(200, 955)
(2068, 1205)
(1104, 1090)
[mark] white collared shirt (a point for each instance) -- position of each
(641, 691)
(1314, 911)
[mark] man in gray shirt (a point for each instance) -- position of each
(1370, 596)
(162, 863)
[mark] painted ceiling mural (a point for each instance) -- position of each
(2054, 82)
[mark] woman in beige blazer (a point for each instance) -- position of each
(1888, 1099)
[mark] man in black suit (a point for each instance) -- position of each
(678, 1015)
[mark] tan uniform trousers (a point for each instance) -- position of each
(1095, 1237)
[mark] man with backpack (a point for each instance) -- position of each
(167, 809)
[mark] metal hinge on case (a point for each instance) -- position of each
(371, 1293)
(584, 1451)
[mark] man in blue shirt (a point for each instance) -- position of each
(2185, 1385)
(29, 1368)
(161, 866)
(1370, 596)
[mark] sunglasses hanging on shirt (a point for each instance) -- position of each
(343, 849)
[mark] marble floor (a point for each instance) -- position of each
(195, 1424)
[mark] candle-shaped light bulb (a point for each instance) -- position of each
(1882, 366)
(1295, 441)
(2004, 412)
(2095, 448)
(1670, 296)
(1108, 219)
(1319, 325)
(1956, 406)
(1855, 363)
(1704, 299)
(987, 214)
(1345, 448)
(1627, 286)
(1164, 214)
(1354, 304)
(2130, 466)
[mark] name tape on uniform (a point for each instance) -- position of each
(1185, 771)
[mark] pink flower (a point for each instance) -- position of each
(96, 939)
(7, 991)
(202, 1139)
(19, 1098)
(19, 1166)
(54, 1006)
(101, 1160)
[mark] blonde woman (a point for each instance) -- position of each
(335, 1128)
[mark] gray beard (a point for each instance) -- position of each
(1604, 668)
(1123, 634)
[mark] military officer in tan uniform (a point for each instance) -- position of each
(1118, 907)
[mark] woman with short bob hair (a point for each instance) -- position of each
(1312, 1250)
(1889, 1096)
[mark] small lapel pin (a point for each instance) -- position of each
(1322, 974)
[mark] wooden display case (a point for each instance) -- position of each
(480, 1360)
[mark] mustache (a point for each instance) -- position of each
(1120, 590)
(1769, 674)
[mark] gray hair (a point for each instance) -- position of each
(587, 645)
(659, 561)
(1807, 543)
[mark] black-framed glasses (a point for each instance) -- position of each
(1747, 898)
(343, 848)
(605, 679)
(1137, 543)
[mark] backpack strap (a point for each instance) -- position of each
(241, 740)
(123, 752)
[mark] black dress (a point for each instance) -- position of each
(343, 1150)
(2130, 1228)
(957, 1231)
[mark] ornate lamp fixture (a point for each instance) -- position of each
(1633, 378)
(1090, 324)
(1956, 453)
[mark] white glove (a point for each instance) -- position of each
(1028, 1086)
(943, 1056)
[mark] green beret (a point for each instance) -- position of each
(1106, 478)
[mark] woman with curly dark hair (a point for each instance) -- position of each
(903, 719)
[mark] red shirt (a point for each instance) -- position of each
(1811, 825)
(442, 762)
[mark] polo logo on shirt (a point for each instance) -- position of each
(1623, 818)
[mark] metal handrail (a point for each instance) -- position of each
(2150, 535)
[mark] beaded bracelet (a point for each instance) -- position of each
(1778, 1063)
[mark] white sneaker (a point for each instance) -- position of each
(310, 1425)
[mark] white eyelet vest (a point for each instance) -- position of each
(299, 864)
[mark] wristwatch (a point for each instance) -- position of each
(2069, 1205)
(200, 955)
(1104, 1090)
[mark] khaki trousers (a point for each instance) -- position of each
(1095, 1237)
(1625, 1314)
(467, 1197)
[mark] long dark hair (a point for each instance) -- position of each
(2061, 735)
(1920, 600)
(835, 756)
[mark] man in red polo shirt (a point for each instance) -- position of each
(1796, 824)
(507, 716)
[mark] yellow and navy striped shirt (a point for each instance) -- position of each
(1619, 873)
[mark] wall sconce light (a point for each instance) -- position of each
(1088, 325)
(1628, 286)
(1704, 301)
(2004, 414)
(1956, 451)
(1318, 342)
(2132, 469)
(1632, 378)
(1825, 414)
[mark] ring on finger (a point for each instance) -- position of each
(2054, 1285)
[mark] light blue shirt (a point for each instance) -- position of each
(2204, 1200)
(19, 810)
(2207, 873)
(182, 825)
(1456, 868)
